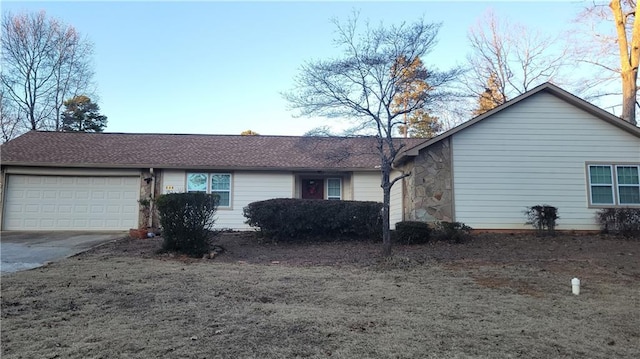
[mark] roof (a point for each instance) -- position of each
(129, 150)
(546, 87)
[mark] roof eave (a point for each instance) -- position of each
(183, 167)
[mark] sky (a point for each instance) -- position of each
(219, 67)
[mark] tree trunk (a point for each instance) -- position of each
(629, 55)
(629, 91)
(386, 200)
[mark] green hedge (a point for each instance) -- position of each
(287, 218)
(186, 219)
(412, 232)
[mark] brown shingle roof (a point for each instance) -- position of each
(72, 149)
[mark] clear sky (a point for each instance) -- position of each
(219, 67)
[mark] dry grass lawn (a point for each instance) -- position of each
(497, 296)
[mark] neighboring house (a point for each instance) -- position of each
(543, 147)
(94, 181)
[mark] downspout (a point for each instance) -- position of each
(153, 197)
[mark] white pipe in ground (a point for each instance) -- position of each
(575, 286)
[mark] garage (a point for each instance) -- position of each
(40, 202)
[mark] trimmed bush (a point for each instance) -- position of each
(412, 232)
(624, 221)
(543, 218)
(186, 219)
(456, 232)
(290, 218)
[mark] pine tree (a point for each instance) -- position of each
(413, 88)
(82, 115)
(492, 97)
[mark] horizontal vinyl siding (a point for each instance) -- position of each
(249, 187)
(533, 153)
(366, 186)
(173, 181)
(396, 210)
(246, 187)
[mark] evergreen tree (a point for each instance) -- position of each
(491, 98)
(412, 89)
(82, 115)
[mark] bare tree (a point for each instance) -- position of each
(10, 123)
(44, 61)
(512, 57)
(612, 32)
(628, 33)
(361, 85)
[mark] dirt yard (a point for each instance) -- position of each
(497, 296)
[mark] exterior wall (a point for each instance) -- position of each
(246, 187)
(396, 207)
(173, 181)
(366, 186)
(429, 193)
(533, 153)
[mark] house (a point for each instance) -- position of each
(89, 181)
(543, 147)
(546, 146)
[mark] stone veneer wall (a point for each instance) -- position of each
(429, 192)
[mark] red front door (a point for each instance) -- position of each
(313, 189)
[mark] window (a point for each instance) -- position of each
(628, 184)
(612, 185)
(334, 188)
(197, 182)
(216, 183)
(221, 185)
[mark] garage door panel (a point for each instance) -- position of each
(31, 209)
(50, 180)
(49, 194)
(71, 203)
(130, 195)
(65, 194)
(34, 194)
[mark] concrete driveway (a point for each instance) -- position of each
(26, 250)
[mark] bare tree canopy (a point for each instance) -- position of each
(509, 59)
(9, 119)
(44, 62)
(612, 31)
(362, 84)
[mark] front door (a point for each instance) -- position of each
(313, 189)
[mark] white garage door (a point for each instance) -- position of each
(71, 203)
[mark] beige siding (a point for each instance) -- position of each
(173, 181)
(246, 187)
(396, 210)
(249, 187)
(533, 153)
(366, 186)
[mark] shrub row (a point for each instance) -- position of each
(291, 218)
(624, 221)
(412, 232)
(186, 219)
